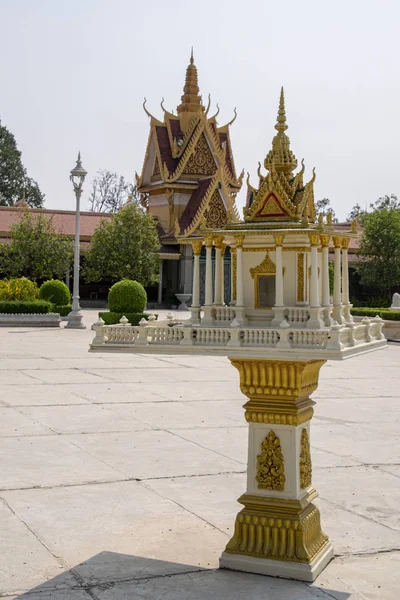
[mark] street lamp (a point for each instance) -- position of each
(77, 177)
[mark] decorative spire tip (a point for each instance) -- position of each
(191, 57)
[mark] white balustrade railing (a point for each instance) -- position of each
(308, 339)
(296, 315)
(211, 337)
(223, 314)
(164, 335)
(120, 334)
(259, 337)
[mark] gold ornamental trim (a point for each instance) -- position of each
(337, 241)
(345, 243)
(305, 461)
(271, 465)
(279, 418)
(300, 277)
(197, 246)
(266, 267)
(285, 531)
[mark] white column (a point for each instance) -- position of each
(159, 295)
(337, 293)
(239, 275)
(325, 270)
(233, 276)
(196, 273)
(209, 294)
(345, 281)
(315, 321)
(279, 271)
(217, 284)
(223, 274)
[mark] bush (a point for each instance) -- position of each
(113, 318)
(127, 296)
(18, 289)
(19, 307)
(55, 291)
(62, 310)
(372, 302)
(383, 313)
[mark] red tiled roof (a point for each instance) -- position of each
(193, 204)
(63, 220)
(165, 148)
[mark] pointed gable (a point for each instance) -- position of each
(201, 161)
(271, 208)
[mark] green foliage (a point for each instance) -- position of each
(324, 206)
(14, 180)
(37, 251)
(383, 313)
(21, 307)
(63, 311)
(124, 247)
(127, 295)
(379, 267)
(55, 291)
(18, 289)
(372, 302)
(113, 318)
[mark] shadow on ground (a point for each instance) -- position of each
(113, 576)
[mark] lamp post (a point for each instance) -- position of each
(77, 177)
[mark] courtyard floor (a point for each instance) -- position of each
(119, 474)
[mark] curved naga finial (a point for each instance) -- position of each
(301, 172)
(233, 120)
(216, 114)
(259, 172)
(313, 177)
(146, 111)
(208, 105)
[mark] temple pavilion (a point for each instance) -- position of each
(188, 177)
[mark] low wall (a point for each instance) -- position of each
(30, 320)
(391, 329)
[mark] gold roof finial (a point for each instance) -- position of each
(281, 156)
(281, 120)
(191, 99)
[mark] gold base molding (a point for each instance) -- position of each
(278, 529)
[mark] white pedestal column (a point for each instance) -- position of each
(195, 308)
(345, 282)
(315, 321)
(337, 292)
(278, 530)
(223, 274)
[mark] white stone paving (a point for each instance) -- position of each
(119, 474)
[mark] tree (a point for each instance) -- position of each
(356, 213)
(14, 181)
(324, 206)
(37, 251)
(125, 246)
(380, 247)
(110, 192)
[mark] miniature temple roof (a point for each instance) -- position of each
(281, 194)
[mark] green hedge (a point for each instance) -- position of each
(63, 310)
(10, 307)
(383, 313)
(55, 291)
(113, 318)
(127, 296)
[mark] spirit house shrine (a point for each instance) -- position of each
(278, 330)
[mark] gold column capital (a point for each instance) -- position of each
(345, 243)
(233, 249)
(218, 241)
(314, 239)
(325, 240)
(337, 241)
(239, 241)
(208, 239)
(197, 246)
(279, 237)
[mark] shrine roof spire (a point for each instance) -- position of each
(191, 99)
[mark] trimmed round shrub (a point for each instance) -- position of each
(55, 291)
(21, 289)
(127, 296)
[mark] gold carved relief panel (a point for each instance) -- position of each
(270, 464)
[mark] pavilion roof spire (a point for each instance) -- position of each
(191, 99)
(281, 125)
(280, 157)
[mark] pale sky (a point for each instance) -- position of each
(74, 74)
